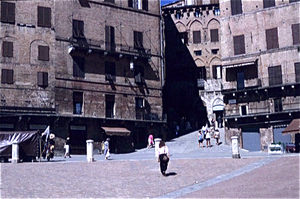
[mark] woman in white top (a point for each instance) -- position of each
(163, 157)
(207, 137)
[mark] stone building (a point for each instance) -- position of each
(261, 65)
(193, 61)
(88, 69)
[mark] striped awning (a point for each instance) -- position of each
(118, 131)
(239, 63)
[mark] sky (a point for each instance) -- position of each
(163, 2)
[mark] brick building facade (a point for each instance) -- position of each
(82, 66)
(260, 59)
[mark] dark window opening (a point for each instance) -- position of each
(110, 71)
(198, 52)
(109, 106)
(78, 29)
(277, 105)
(184, 37)
(110, 1)
(42, 79)
(139, 74)
(138, 40)
(196, 37)
(272, 38)
(239, 44)
(7, 12)
(78, 67)
(244, 110)
(43, 53)
(214, 51)
(44, 17)
(236, 7)
(139, 108)
(214, 35)
(240, 80)
(77, 103)
(7, 76)
(7, 49)
(217, 72)
(275, 75)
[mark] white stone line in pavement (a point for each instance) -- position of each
(218, 179)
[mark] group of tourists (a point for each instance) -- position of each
(206, 134)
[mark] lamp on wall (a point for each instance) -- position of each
(131, 65)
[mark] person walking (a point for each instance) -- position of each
(220, 122)
(67, 148)
(200, 138)
(150, 141)
(207, 137)
(106, 149)
(213, 123)
(217, 136)
(163, 157)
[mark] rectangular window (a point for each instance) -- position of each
(44, 17)
(138, 40)
(110, 1)
(214, 51)
(272, 38)
(138, 4)
(214, 1)
(297, 71)
(110, 38)
(275, 75)
(198, 52)
(139, 108)
(198, 2)
(145, 5)
(269, 3)
(184, 37)
(214, 35)
(196, 37)
(7, 76)
(296, 33)
(78, 29)
(109, 106)
(110, 71)
(139, 74)
(77, 103)
(42, 79)
(239, 45)
(291, 1)
(7, 12)
(43, 53)
(7, 49)
(217, 72)
(277, 105)
(243, 110)
(78, 67)
(236, 7)
(201, 73)
(240, 78)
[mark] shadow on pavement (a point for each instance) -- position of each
(171, 174)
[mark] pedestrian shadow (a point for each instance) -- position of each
(171, 174)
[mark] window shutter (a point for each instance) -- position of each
(268, 3)
(78, 67)
(81, 28)
(47, 15)
(40, 79)
(130, 3)
(199, 2)
(78, 28)
(236, 7)
(214, 35)
(272, 38)
(296, 34)
(4, 15)
(275, 75)
(43, 53)
(297, 71)
(196, 37)
(11, 13)
(112, 38)
(239, 45)
(7, 49)
(7, 76)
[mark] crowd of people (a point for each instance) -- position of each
(206, 134)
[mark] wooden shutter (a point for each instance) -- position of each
(42, 79)
(214, 35)
(296, 33)
(198, 2)
(7, 12)
(44, 16)
(272, 38)
(268, 3)
(138, 40)
(297, 71)
(275, 75)
(196, 37)
(7, 76)
(236, 7)
(239, 45)
(7, 49)
(43, 53)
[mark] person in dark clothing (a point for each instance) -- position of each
(163, 157)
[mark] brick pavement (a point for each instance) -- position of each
(102, 179)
